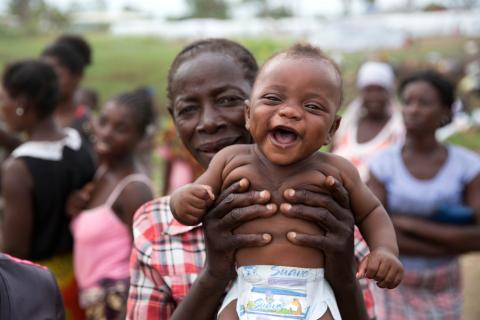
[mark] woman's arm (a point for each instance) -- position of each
(417, 236)
(17, 226)
(331, 213)
(411, 245)
(234, 207)
(130, 199)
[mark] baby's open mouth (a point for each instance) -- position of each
(284, 135)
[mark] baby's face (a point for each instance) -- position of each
(292, 112)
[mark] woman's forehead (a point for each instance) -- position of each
(209, 71)
(207, 64)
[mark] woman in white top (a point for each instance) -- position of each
(372, 121)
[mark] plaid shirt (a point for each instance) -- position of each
(167, 257)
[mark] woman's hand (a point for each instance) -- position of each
(331, 212)
(78, 200)
(233, 207)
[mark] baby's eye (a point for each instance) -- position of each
(314, 107)
(271, 99)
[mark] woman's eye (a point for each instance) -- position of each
(229, 100)
(186, 110)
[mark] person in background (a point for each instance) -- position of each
(102, 231)
(178, 270)
(40, 174)
(86, 97)
(372, 121)
(432, 191)
(69, 55)
(28, 291)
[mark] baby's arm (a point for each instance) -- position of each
(382, 264)
(190, 202)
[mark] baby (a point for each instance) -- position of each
(291, 115)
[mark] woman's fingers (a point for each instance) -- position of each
(238, 200)
(236, 187)
(238, 241)
(319, 216)
(337, 191)
(239, 216)
(318, 200)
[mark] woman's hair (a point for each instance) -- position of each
(142, 105)
(223, 46)
(34, 80)
(73, 52)
(79, 44)
(444, 88)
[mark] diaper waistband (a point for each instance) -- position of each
(279, 274)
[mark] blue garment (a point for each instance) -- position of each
(411, 196)
(28, 291)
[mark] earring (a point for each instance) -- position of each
(19, 111)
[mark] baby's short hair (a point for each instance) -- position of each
(306, 50)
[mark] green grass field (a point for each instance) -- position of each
(123, 63)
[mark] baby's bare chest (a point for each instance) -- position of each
(308, 176)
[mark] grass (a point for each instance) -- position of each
(123, 63)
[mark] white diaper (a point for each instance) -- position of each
(275, 292)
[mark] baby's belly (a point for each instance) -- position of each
(280, 251)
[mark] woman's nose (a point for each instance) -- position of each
(210, 120)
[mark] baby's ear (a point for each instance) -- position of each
(333, 129)
(247, 114)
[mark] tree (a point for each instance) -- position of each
(208, 9)
(36, 15)
(266, 10)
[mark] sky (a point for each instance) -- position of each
(165, 8)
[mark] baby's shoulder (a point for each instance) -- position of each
(336, 166)
(232, 152)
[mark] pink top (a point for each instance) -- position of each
(102, 242)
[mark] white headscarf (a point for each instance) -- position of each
(376, 73)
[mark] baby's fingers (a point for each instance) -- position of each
(373, 266)
(362, 268)
(393, 277)
(204, 192)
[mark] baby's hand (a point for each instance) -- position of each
(190, 202)
(382, 266)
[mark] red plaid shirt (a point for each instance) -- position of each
(167, 258)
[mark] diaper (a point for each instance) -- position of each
(275, 292)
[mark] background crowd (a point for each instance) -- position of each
(78, 166)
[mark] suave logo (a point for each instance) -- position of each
(278, 271)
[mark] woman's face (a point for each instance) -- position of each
(116, 134)
(375, 100)
(67, 81)
(208, 101)
(9, 107)
(422, 107)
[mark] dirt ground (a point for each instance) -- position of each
(471, 271)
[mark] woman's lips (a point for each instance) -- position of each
(213, 147)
